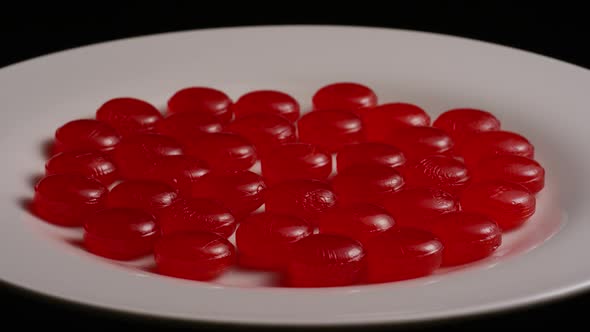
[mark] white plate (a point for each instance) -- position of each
(545, 99)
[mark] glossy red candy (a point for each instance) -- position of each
(366, 183)
(197, 214)
(198, 256)
(517, 169)
(509, 204)
(265, 131)
(67, 199)
(93, 164)
(223, 151)
(415, 206)
(444, 172)
(241, 192)
(495, 143)
(179, 171)
(136, 154)
(267, 102)
(121, 233)
(402, 253)
(325, 260)
(461, 123)
(202, 100)
(306, 199)
(188, 125)
(129, 115)
(344, 96)
(419, 142)
(296, 161)
(466, 237)
(359, 221)
(369, 153)
(264, 239)
(380, 121)
(330, 130)
(88, 135)
(151, 196)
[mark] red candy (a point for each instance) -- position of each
(521, 170)
(197, 214)
(202, 100)
(136, 154)
(264, 239)
(415, 206)
(66, 199)
(366, 183)
(359, 221)
(419, 142)
(179, 171)
(369, 154)
(306, 199)
(461, 123)
(223, 151)
(509, 204)
(88, 135)
(267, 102)
(121, 233)
(495, 143)
(129, 115)
(296, 161)
(265, 131)
(330, 130)
(188, 125)
(241, 192)
(344, 96)
(92, 164)
(446, 173)
(325, 260)
(380, 121)
(406, 196)
(467, 237)
(403, 253)
(197, 256)
(151, 196)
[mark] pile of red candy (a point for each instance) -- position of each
(407, 197)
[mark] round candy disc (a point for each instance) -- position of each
(403, 253)
(197, 214)
(267, 102)
(325, 260)
(92, 164)
(330, 130)
(120, 233)
(197, 255)
(202, 100)
(264, 239)
(345, 96)
(509, 204)
(307, 199)
(359, 221)
(296, 161)
(129, 115)
(86, 135)
(67, 199)
(381, 120)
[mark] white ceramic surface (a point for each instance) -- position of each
(542, 98)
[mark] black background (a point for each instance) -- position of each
(556, 29)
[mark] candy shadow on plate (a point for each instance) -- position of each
(76, 242)
(47, 148)
(34, 179)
